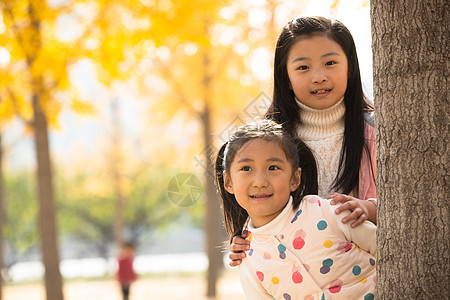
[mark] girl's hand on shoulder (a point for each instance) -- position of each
(359, 214)
(238, 245)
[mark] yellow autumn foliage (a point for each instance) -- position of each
(38, 61)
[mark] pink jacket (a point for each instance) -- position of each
(367, 187)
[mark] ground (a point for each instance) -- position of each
(164, 287)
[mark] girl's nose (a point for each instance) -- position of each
(260, 181)
(319, 77)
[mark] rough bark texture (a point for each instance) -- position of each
(213, 226)
(410, 62)
(47, 216)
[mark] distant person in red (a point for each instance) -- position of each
(125, 273)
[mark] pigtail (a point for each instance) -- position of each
(234, 215)
(308, 184)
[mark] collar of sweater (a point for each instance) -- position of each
(321, 123)
(275, 226)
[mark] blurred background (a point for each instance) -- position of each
(134, 97)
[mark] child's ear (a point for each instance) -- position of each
(296, 178)
(227, 183)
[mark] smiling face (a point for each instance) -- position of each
(261, 179)
(317, 68)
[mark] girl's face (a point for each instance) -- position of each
(318, 69)
(261, 179)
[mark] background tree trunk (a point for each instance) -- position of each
(214, 232)
(410, 62)
(116, 170)
(47, 216)
(214, 226)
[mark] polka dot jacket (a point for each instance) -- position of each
(305, 255)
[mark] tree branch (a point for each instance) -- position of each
(17, 108)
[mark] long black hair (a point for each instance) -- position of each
(286, 111)
(297, 153)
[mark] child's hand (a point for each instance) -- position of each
(360, 213)
(238, 246)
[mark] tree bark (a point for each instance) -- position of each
(213, 226)
(410, 63)
(116, 167)
(47, 216)
(214, 234)
(31, 44)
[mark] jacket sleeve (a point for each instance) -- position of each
(367, 184)
(364, 235)
(253, 289)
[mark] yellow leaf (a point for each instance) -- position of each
(82, 107)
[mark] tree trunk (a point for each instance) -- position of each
(47, 218)
(116, 166)
(2, 200)
(410, 63)
(214, 231)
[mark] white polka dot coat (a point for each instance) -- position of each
(308, 253)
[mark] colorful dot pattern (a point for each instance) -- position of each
(297, 277)
(326, 266)
(296, 216)
(299, 241)
(322, 225)
(369, 296)
(260, 275)
(282, 250)
(310, 232)
(356, 270)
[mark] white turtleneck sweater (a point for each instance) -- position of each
(323, 132)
